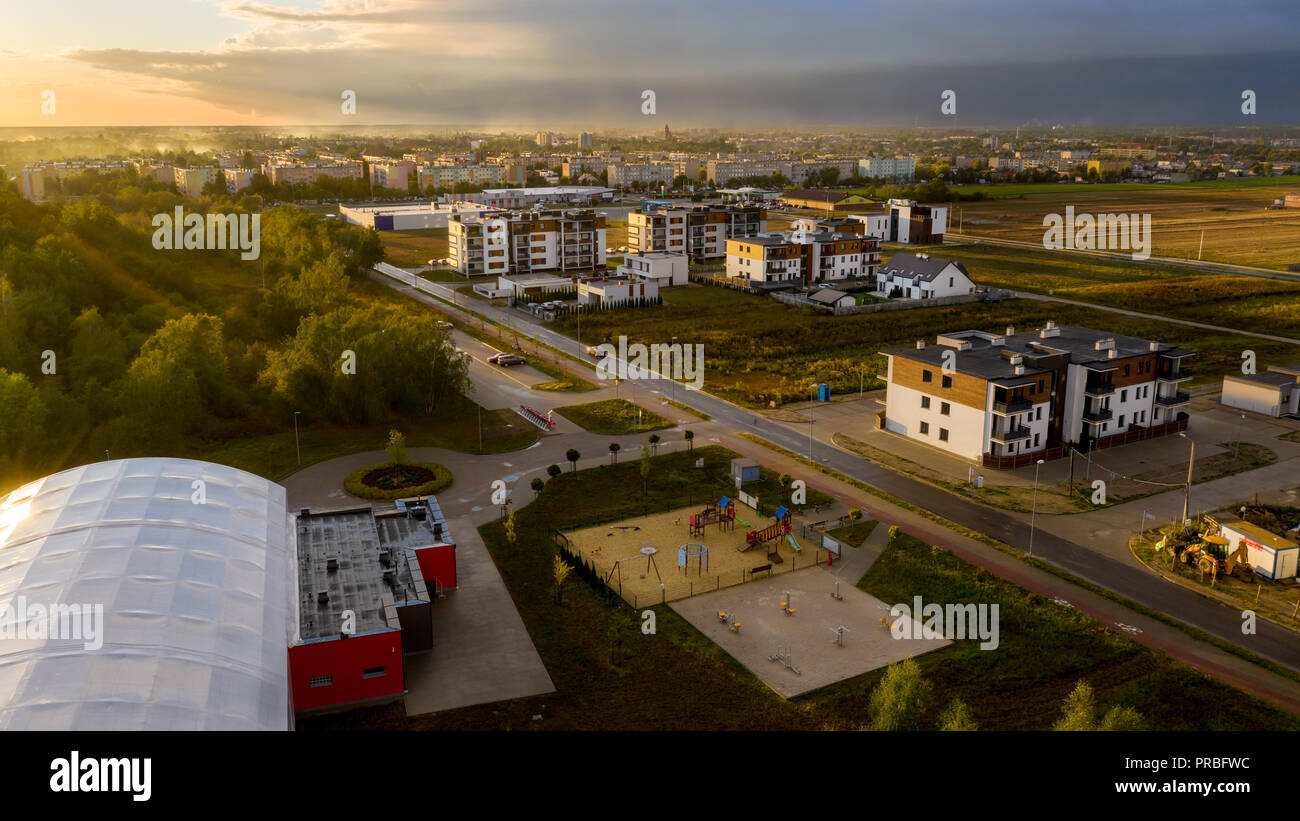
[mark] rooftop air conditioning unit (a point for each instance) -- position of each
(332, 565)
(322, 597)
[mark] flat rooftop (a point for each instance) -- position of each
(362, 560)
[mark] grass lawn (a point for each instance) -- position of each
(562, 380)
(758, 350)
(609, 676)
(855, 534)
(614, 417)
(407, 249)
(455, 428)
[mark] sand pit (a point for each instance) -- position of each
(638, 576)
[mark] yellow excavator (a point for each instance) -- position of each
(1210, 556)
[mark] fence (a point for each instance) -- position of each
(1115, 440)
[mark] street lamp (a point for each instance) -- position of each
(1191, 457)
(1236, 453)
(296, 445)
(1033, 516)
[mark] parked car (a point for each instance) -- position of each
(442, 323)
(505, 360)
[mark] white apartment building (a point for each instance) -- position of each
(190, 181)
(395, 176)
(662, 268)
(525, 242)
(807, 256)
(890, 169)
(765, 260)
(448, 176)
(907, 222)
(1009, 399)
(615, 290)
(921, 276)
(650, 173)
(699, 231)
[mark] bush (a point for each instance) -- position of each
(854, 514)
(355, 485)
(553, 471)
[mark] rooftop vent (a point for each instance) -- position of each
(332, 564)
(323, 597)
(1153, 345)
(390, 577)
(920, 343)
(1011, 330)
(1020, 370)
(1104, 344)
(306, 511)
(1112, 354)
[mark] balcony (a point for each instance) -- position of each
(1174, 400)
(1181, 375)
(1098, 415)
(1007, 408)
(1099, 389)
(1012, 434)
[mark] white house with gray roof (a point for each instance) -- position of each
(921, 276)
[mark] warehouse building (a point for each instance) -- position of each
(1275, 392)
(417, 216)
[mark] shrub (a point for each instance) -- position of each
(355, 485)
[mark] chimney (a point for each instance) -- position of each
(920, 343)
(1112, 353)
(1153, 345)
(1011, 330)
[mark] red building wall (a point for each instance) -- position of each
(345, 661)
(438, 563)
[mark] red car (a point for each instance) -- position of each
(506, 359)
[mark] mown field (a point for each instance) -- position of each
(408, 249)
(609, 676)
(757, 350)
(1238, 227)
(1255, 304)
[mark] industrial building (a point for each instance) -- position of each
(406, 216)
(1275, 392)
(174, 594)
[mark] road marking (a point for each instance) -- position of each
(1128, 628)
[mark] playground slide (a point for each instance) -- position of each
(793, 543)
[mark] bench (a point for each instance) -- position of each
(760, 569)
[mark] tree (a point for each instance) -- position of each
(396, 447)
(553, 471)
(537, 484)
(645, 469)
(573, 456)
(614, 448)
(690, 439)
(654, 443)
(956, 716)
(560, 570)
(901, 698)
(23, 430)
(1079, 713)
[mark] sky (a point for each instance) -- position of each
(580, 63)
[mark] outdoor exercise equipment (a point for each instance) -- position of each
(837, 594)
(785, 605)
(729, 620)
(839, 634)
(701, 558)
(783, 656)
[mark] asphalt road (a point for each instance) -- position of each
(1128, 580)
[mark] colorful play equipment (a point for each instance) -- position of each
(701, 554)
(729, 619)
(793, 544)
(722, 513)
(770, 535)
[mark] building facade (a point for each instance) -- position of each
(700, 232)
(523, 242)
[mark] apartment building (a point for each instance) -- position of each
(525, 242)
(650, 173)
(585, 140)
(448, 176)
(907, 222)
(31, 182)
(720, 172)
(237, 179)
(921, 276)
(1010, 399)
(890, 169)
(616, 290)
(700, 232)
(306, 174)
(190, 181)
(394, 175)
(660, 267)
(800, 257)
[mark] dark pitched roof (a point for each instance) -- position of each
(918, 267)
(816, 195)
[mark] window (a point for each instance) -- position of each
(1121, 420)
(943, 434)
(374, 672)
(944, 408)
(1126, 370)
(925, 428)
(925, 402)
(947, 381)
(1038, 414)
(1123, 395)
(321, 681)
(1041, 385)
(927, 376)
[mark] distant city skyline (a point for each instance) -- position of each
(723, 64)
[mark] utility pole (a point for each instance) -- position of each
(296, 445)
(1191, 458)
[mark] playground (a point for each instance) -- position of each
(824, 638)
(667, 556)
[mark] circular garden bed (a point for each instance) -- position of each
(393, 481)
